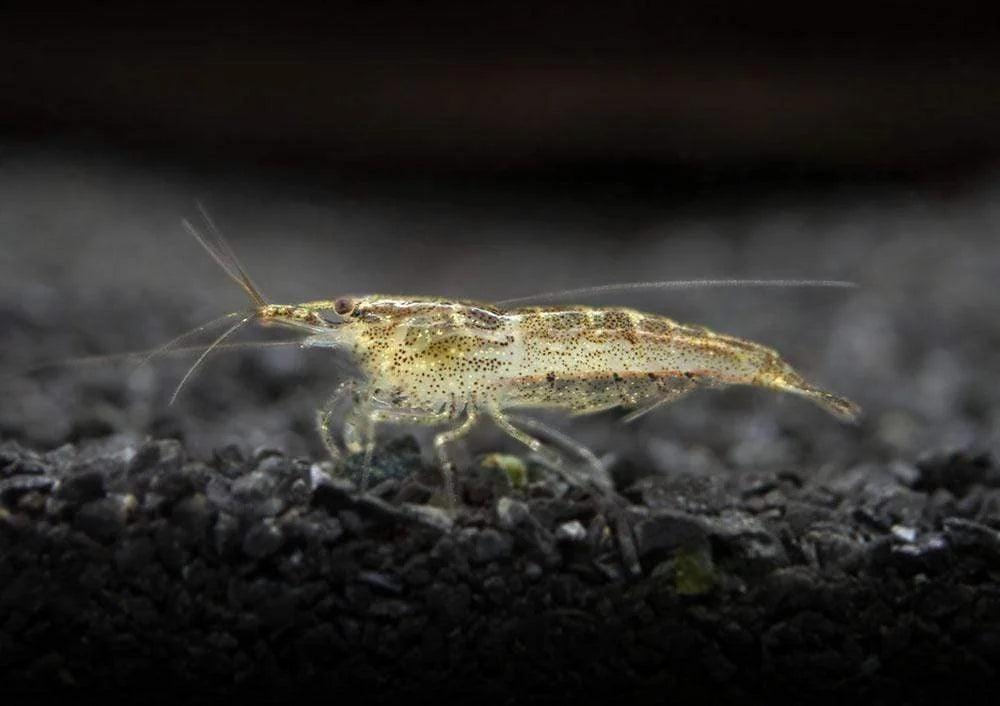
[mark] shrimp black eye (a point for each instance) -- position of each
(343, 306)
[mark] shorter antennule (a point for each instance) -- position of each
(216, 246)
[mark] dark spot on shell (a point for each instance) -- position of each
(481, 318)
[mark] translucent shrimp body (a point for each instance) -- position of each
(427, 360)
(434, 355)
(433, 361)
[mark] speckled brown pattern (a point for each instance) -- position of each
(432, 354)
(433, 361)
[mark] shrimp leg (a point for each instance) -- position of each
(614, 504)
(372, 417)
(323, 414)
(362, 420)
(599, 474)
(501, 420)
(441, 440)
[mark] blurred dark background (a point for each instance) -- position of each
(487, 151)
(628, 96)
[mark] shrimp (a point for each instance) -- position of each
(449, 363)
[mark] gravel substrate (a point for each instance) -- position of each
(755, 549)
(128, 568)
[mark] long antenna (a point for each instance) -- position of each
(173, 342)
(140, 357)
(678, 284)
(232, 329)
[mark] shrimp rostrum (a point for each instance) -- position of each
(432, 361)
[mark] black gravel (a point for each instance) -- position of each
(756, 549)
(156, 570)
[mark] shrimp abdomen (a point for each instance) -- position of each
(592, 391)
(586, 360)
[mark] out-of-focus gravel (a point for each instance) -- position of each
(759, 546)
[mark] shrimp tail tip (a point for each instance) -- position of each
(840, 407)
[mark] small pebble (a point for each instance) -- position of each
(263, 539)
(105, 518)
(571, 532)
(511, 513)
(490, 545)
